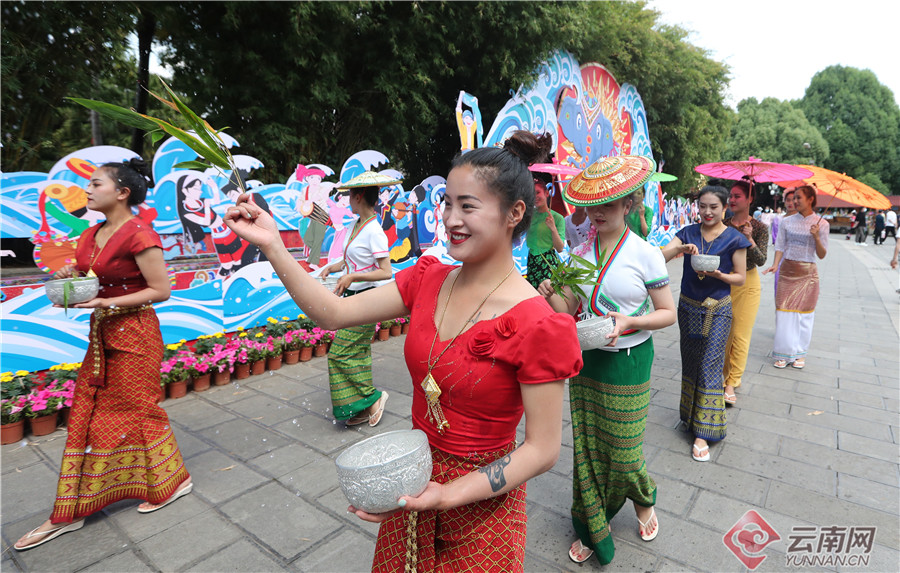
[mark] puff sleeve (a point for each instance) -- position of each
(409, 280)
(144, 237)
(548, 350)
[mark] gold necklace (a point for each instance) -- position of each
(708, 247)
(96, 254)
(435, 413)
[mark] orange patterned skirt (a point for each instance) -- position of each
(485, 536)
(120, 443)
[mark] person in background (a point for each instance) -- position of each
(640, 218)
(879, 227)
(120, 444)
(746, 297)
(861, 226)
(545, 236)
(890, 224)
(704, 316)
(803, 239)
(578, 227)
(476, 353)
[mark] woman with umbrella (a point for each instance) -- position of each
(704, 316)
(610, 397)
(802, 238)
(477, 356)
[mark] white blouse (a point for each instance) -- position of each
(795, 240)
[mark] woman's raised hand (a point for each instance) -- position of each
(545, 290)
(689, 249)
(66, 272)
(251, 223)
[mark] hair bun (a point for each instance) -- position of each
(529, 147)
(141, 167)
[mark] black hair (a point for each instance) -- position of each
(505, 170)
(135, 175)
(420, 192)
(193, 230)
(720, 193)
(369, 194)
(746, 186)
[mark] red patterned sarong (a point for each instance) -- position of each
(120, 443)
(485, 536)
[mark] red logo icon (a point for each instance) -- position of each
(749, 537)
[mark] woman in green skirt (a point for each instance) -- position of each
(611, 395)
(367, 264)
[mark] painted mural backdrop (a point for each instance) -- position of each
(226, 283)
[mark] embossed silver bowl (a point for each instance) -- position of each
(592, 331)
(330, 282)
(707, 263)
(377, 471)
(82, 290)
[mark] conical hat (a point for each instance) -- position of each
(370, 179)
(608, 179)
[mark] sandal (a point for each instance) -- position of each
(799, 363)
(358, 419)
(577, 552)
(180, 493)
(644, 526)
(50, 534)
(780, 364)
(702, 457)
(730, 399)
(376, 417)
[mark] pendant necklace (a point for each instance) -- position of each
(95, 254)
(435, 413)
(708, 247)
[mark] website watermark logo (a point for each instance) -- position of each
(830, 546)
(749, 537)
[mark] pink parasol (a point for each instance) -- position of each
(555, 169)
(758, 171)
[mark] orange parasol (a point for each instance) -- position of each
(841, 186)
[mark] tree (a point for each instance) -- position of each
(874, 182)
(859, 119)
(683, 89)
(774, 130)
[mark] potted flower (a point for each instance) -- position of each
(404, 324)
(276, 329)
(222, 363)
(292, 346)
(207, 342)
(307, 345)
(200, 372)
(319, 339)
(175, 373)
(12, 419)
(43, 410)
(256, 351)
(273, 349)
(396, 326)
(61, 378)
(383, 329)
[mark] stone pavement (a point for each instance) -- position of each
(816, 447)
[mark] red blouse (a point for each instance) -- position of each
(115, 265)
(479, 375)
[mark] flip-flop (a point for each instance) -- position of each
(576, 556)
(780, 364)
(799, 363)
(702, 457)
(180, 493)
(652, 535)
(52, 534)
(358, 419)
(730, 399)
(375, 418)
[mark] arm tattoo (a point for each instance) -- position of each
(494, 472)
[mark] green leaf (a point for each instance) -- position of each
(157, 135)
(200, 127)
(214, 156)
(120, 114)
(67, 290)
(191, 165)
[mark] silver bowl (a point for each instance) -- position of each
(592, 331)
(707, 263)
(330, 282)
(377, 471)
(82, 290)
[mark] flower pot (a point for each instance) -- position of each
(306, 353)
(404, 328)
(12, 432)
(43, 425)
(222, 378)
(273, 362)
(320, 349)
(384, 334)
(291, 356)
(201, 383)
(242, 371)
(177, 389)
(64, 415)
(395, 330)
(258, 366)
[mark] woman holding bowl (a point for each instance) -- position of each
(610, 397)
(704, 315)
(476, 357)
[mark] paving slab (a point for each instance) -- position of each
(198, 536)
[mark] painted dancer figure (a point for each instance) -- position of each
(610, 397)
(802, 238)
(115, 423)
(197, 214)
(704, 316)
(476, 355)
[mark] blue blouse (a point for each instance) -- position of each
(724, 245)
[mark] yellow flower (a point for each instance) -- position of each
(301, 316)
(242, 335)
(260, 334)
(240, 329)
(272, 320)
(6, 377)
(172, 346)
(285, 318)
(21, 372)
(182, 341)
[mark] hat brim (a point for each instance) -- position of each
(608, 179)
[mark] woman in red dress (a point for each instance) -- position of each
(476, 356)
(120, 444)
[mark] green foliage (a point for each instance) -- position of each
(774, 130)
(574, 273)
(859, 119)
(875, 182)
